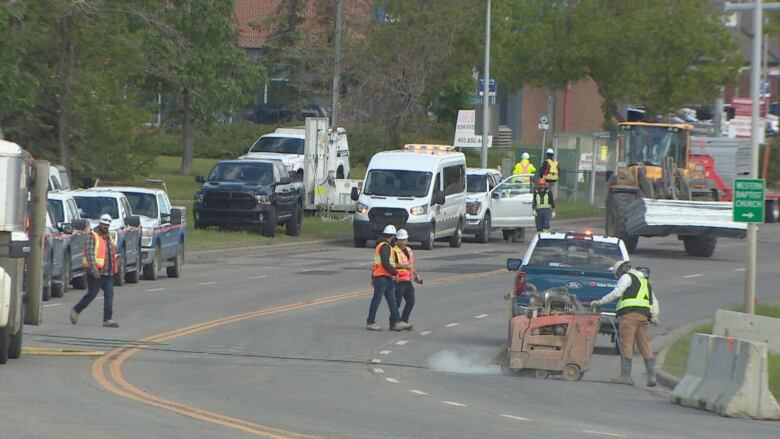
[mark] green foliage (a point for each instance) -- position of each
(217, 141)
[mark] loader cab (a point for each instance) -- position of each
(654, 144)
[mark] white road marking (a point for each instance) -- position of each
(603, 433)
(691, 276)
(516, 418)
(52, 305)
(453, 403)
(481, 316)
(378, 370)
(450, 325)
(206, 283)
(385, 352)
(392, 380)
(261, 276)
(739, 269)
(425, 332)
(418, 392)
(99, 298)
(154, 289)
(376, 360)
(401, 342)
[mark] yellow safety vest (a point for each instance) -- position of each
(543, 202)
(551, 173)
(404, 275)
(524, 167)
(637, 295)
(377, 268)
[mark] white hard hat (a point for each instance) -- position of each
(401, 234)
(618, 266)
(105, 219)
(389, 230)
(550, 151)
(525, 156)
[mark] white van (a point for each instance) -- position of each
(421, 189)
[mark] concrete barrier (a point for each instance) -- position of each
(727, 376)
(698, 355)
(748, 327)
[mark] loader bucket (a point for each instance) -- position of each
(649, 217)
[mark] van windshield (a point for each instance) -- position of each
(282, 145)
(397, 183)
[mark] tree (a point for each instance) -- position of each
(192, 52)
(661, 54)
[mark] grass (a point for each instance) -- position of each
(579, 209)
(676, 361)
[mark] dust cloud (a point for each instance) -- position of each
(448, 361)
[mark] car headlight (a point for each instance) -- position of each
(473, 208)
(146, 237)
(361, 208)
(262, 199)
(198, 197)
(419, 210)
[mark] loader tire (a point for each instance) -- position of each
(617, 212)
(702, 246)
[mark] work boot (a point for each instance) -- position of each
(650, 368)
(110, 324)
(373, 327)
(400, 326)
(74, 316)
(410, 326)
(625, 372)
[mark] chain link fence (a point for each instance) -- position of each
(582, 178)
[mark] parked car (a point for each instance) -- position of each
(249, 193)
(70, 243)
(125, 228)
(164, 229)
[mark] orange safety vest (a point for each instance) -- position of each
(377, 269)
(100, 255)
(551, 173)
(404, 275)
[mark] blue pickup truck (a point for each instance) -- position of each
(164, 228)
(580, 262)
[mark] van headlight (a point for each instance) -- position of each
(361, 208)
(419, 210)
(146, 237)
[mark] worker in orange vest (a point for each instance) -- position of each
(404, 289)
(100, 266)
(550, 170)
(383, 275)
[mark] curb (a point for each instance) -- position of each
(664, 342)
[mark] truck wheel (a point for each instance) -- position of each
(80, 283)
(293, 226)
(518, 235)
(175, 269)
(617, 211)
(119, 277)
(5, 344)
(340, 172)
(360, 242)
(483, 235)
(457, 239)
(427, 244)
(58, 290)
(15, 346)
(133, 276)
(152, 269)
(572, 372)
(772, 211)
(46, 289)
(702, 246)
(269, 226)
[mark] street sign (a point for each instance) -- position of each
(748, 200)
(491, 87)
(544, 123)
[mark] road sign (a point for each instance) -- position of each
(749, 200)
(491, 87)
(544, 123)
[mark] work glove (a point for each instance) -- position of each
(96, 274)
(553, 215)
(654, 320)
(534, 213)
(595, 305)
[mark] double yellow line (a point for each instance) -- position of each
(115, 359)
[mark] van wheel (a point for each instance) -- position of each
(457, 239)
(427, 244)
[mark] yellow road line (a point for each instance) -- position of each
(121, 387)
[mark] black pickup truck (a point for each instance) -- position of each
(249, 193)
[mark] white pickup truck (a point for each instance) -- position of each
(493, 203)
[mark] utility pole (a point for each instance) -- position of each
(486, 92)
(334, 109)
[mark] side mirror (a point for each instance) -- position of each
(513, 264)
(134, 221)
(66, 228)
(176, 216)
(200, 179)
(165, 217)
(285, 180)
(355, 194)
(79, 224)
(439, 198)
(495, 195)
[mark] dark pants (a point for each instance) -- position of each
(405, 291)
(106, 283)
(383, 286)
(543, 217)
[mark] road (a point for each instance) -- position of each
(274, 346)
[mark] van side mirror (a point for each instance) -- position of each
(176, 216)
(439, 198)
(134, 221)
(79, 224)
(355, 194)
(200, 179)
(513, 264)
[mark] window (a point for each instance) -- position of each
(142, 204)
(282, 145)
(280, 171)
(476, 183)
(93, 207)
(248, 171)
(57, 210)
(73, 210)
(397, 183)
(454, 179)
(579, 254)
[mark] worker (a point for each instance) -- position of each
(543, 205)
(524, 166)
(550, 169)
(383, 274)
(100, 266)
(404, 289)
(637, 306)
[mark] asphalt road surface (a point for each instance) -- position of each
(275, 346)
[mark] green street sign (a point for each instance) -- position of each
(749, 200)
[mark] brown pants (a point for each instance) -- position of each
(632, 327)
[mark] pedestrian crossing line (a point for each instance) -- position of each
(481, 316)
(376, 360)
(379, 370)
(418, 392)
(425, 332)
(392, 380)
(401, 342)
(451, 325)
(385, 352)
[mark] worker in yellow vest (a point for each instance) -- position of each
(543, 205)
(100, 266)
(383, 274)
(550, 170)
(524, 166)
(404, 289)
